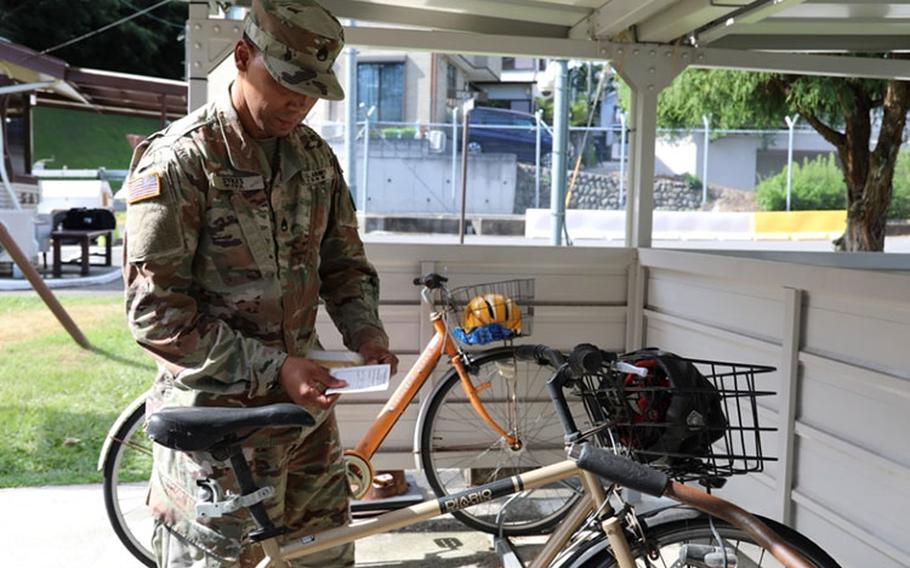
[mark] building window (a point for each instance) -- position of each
(451, 81)
(381, 85)
(522, 64)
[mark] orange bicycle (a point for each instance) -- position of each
(488, 418)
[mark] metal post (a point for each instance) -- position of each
(791, 124)
(196, 76)
(622, 159)
(4, 178)
(7, 242)
(350, 125)
(560, 143)
(454, 153)
(468, 107)
(364, 179)
(647, 72)
(640, 201)
(539, 117)
(704, 160)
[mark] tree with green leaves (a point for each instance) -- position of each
(842, 110)
(151, 44)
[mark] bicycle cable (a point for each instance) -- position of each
(719, 539)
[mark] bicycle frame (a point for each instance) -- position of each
(417, 376)
(593, 499)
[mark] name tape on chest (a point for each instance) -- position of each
(143, 187)
(238, 183)
(317, 176)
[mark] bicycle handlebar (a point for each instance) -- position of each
(540, 353)
(431, 280)
(588, 359)
(585, 359)
(620, 469)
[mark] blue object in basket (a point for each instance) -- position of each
(483, 334)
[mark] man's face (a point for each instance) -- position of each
(275, 109)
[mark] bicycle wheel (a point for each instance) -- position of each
(458, 451)
(668, 543)
(127, 466)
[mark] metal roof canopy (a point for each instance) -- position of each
(91, 88)
(648, 42)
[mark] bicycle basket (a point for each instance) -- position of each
(495, 311)
(692, 418)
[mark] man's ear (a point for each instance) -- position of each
(243, 56)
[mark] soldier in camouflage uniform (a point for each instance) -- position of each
(239, 220)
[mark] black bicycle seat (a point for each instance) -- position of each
(198, 429)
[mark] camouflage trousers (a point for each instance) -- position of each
(311, 495)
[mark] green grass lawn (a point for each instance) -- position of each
(58, 400)
(100, 139)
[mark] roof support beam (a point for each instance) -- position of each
(814, 43)
(802, 64)
(681, 18)
(616, 16)
(447, 20)
(711, 58)
(461, 42)
(744, 19)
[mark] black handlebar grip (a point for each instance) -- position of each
(585, 359)
(526, 352)
(431, 280)
(621, 470)
(540, 353)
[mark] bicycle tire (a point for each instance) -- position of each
(123, 440)
(670, 535)
(447, 405)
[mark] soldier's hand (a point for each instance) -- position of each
(305, 382)
(375, 354)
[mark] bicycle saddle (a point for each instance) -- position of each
(197, 429)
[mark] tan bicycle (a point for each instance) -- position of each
(602, 529)
(484, 420)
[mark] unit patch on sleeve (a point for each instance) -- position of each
(144, 187)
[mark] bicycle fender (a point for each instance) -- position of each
(124, 416)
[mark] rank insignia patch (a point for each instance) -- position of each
(142, 188)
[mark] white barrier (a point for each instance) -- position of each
(668, 225)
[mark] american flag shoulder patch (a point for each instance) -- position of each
(142, 188)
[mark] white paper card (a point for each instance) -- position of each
(366, 378)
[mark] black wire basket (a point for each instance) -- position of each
(694, 419)
(494, 311)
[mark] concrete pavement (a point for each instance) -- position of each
(55, 527)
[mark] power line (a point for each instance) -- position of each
(156, 18)
(105, 28)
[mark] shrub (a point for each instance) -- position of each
(817, 185)
(900, 198)
(693, 182)
(397, 133)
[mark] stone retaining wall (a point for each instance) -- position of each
(601, 191)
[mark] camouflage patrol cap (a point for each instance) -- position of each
(299, 40)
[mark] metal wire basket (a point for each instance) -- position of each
(494, 311)
(695, 429)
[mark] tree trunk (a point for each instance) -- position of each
(869, 175)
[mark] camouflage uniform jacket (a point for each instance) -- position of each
(227, 260)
